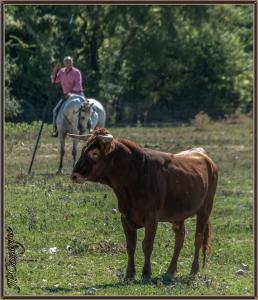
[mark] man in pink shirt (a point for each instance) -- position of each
(71, 82)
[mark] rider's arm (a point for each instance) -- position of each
(55, 76)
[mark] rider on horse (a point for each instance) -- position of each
(71, 81)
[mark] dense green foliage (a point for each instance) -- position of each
(144, 62)
(83, 223)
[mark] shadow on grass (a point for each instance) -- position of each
(184, 281)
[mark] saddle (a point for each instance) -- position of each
(69, 96)
(73, 95)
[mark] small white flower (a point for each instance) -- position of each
(244, 266)
(91, 291)
(52, 250)
(240, 272)
(68, 197)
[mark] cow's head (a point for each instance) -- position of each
(91, 164)
(85, 113)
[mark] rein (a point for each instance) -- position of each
(79, 117)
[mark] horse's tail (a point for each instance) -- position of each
(206, 245)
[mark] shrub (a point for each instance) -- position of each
(14, 131)
(12, 106)
(240, 118)
(201, 120)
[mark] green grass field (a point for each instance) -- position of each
(82, 222)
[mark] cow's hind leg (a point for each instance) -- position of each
(202, 238)
(206, 245)
(147, 246)
(179, 229)
(131, 238)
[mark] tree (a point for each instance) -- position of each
(147, 62)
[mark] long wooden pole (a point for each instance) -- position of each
(39, 135)
(36, 147)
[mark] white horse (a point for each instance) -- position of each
(77, 116)
(96, 114)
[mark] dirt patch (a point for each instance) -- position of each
(47, 156)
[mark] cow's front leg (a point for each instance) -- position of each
(147, 246)
(131, 238)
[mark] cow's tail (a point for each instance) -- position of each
(206, 245)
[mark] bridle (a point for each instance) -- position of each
(79, 116)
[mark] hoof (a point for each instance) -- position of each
(54, 134)
(129, 280)
(130, 274)
(168, 277)
(194, 272)
(145, 280)
(129, 277)
(60, 172)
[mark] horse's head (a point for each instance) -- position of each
(85, 113)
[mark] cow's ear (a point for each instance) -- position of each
(109, 147)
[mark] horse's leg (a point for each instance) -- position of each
(147, 246)
(179, 229)
(62, 152)
(54, 118)
(74, 151)
(55, 112)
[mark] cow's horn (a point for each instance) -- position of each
(84, 137)
(106, 138)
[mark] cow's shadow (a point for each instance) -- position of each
(87, 290)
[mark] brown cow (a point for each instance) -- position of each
(152, 186)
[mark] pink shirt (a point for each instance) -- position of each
(71, 80)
